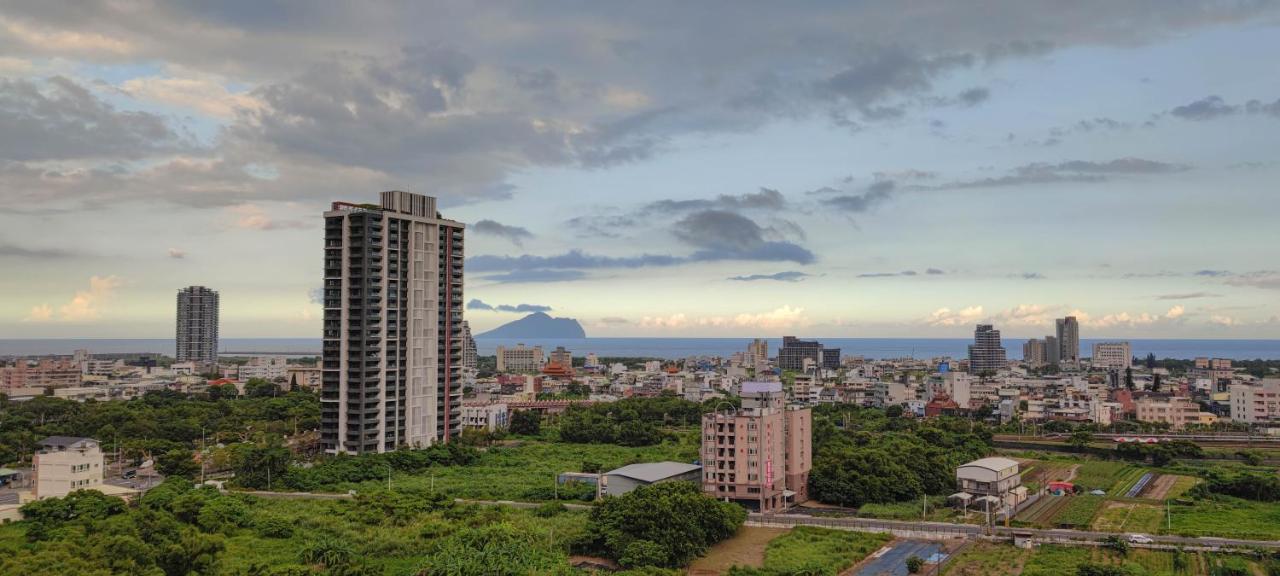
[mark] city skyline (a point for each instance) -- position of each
(664, 170)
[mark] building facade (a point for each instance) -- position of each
(1256, 403)
(1112, 355)
(561, 357)
(470, 355)
(269, 368)
(831, 358)
(1068, 340)
(794, 351)
(197, 332)
(1033, 353)
(63, 464)
(1176, 411)
(491, 416)
(986, 354)
(520, 359)
(392, 325)
(759, 455)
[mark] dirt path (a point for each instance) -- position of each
(1071, 474)
(1158, 488)
(744, 549)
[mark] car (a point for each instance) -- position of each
(1140, 539)
(128, 474)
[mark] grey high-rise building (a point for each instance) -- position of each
(1052, 350)
(197, 333)
(1033, 353)
(794, 351)
(831, 358)
(986, 354)
(1069, 339)
(470, 355)
(393, 327)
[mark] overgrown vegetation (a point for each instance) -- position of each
(814, 551)
(666, 525)
(863, 456)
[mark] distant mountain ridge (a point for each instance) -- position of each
(537, 325)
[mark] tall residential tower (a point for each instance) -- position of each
(393, 345)
(197, 334)
(1069, 339)
(986, 354)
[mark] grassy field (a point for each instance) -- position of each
(992, 559)
(1129, 517)
(1181, 486)
(1079, 512)
(527, 471)
(1228, 517)
(939, 511)
(817, 551)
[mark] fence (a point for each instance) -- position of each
(925, 530)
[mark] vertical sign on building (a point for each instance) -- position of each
(768, 471)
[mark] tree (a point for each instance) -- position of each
(179, 463)
(257, 465)
(1128, 378)
(915, 564)
(1151, 361)
(1080, 440)
(259, 388)
(894, 411)
(526, 423)
(666, 524)
(1155, 383)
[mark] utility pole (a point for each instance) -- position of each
(388, 476)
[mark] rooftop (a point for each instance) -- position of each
(653, 471)
(993, 463)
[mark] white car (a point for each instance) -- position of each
(1140, 539)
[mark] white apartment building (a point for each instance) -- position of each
(488, 416)
(268, 368)
(519, 359)
(1112, 355)
(393, 312)
(65, 464)
(1256, 403)
(1177, 411)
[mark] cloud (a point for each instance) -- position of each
(934, 271)
(765, 199)
(1224, 320)
(887, 274)
(1069, 171)
(85, 305)
(573, 259)
(514, 234)
(875, 194)
(1031, 276)
(177, 253)
(201, 93)
(65, 42)
(1211, 273)
(789, 276)
(948, 317)
(1266, 279)
(316, 295)
(525, 276)
(723, 235)
(254, 217)
(1175, 312)
(1214, 107)
(1187, 296)
(477, 304)
(16, 251)
(58, 119)
(40, 313)
(614, 320)
(780, 318)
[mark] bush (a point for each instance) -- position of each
(274, 527)
(915, 564)
(525, 422)
(327, 551)
(674, 522)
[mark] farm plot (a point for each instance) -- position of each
(1043, 510)
(1170, 486)
(1128, 517)
(1127, 479)
(1078, 512)
(1042, 472)
(1139, 485)
(1103, 475)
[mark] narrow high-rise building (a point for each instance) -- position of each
(761, 454)
(794, 351)
(1069, 340)
(1052, 350)
(986, 354)
(197, 334)
(1033, 353)
(470, 355)
(393, 345)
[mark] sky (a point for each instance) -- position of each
(731, 168)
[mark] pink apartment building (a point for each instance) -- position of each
(759, 455)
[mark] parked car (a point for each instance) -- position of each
(129, 474)
(1140, 539)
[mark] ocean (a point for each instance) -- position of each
(668, 347)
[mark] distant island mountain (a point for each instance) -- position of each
(537, 325)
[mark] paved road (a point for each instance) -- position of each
(944, 530)
(892, 560)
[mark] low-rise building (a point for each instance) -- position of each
(269, 368)
(627, 478)
(491, 416)
(992, 480)
(1176, 411)
(519, 359)
(1256, 403)
(1112, 355)
(64, 464)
